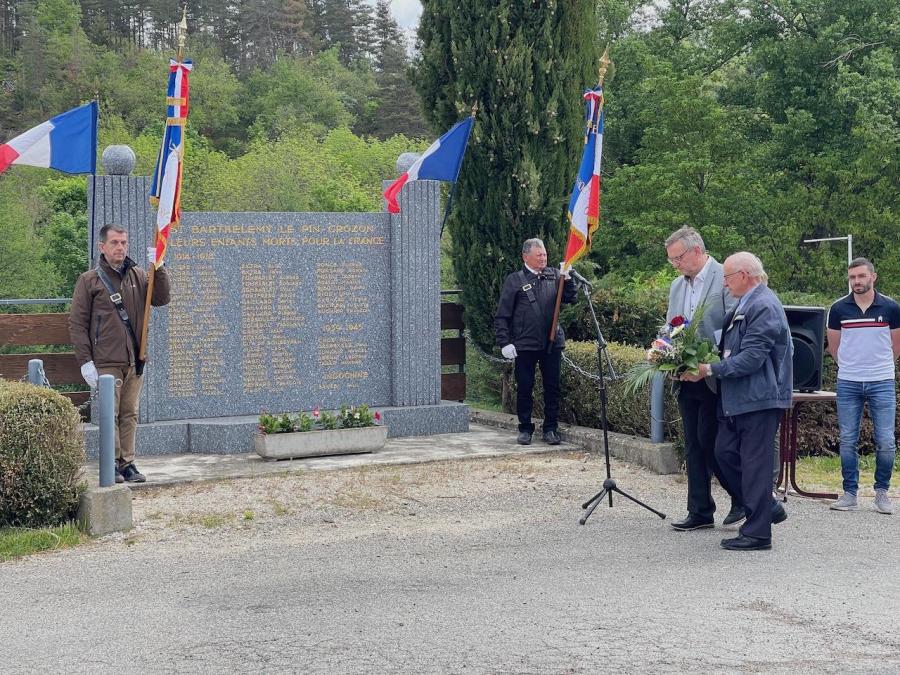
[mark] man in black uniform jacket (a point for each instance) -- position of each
(522, 330)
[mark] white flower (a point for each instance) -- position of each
(676, 330)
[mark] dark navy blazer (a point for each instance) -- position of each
(756, 370)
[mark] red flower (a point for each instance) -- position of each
(677, 321)
(377, 416)
(315, 412)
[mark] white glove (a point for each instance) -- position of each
(564, 271)
(90, 374)
(509, 352)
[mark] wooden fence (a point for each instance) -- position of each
(29, 330)
(453, 352)
(61, 368)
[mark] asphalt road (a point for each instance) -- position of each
(489, 574)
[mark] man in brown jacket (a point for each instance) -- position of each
(104, 345)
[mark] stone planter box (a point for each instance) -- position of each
(301, 444)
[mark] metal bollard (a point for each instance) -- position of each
(657, 409)
(35, 370)
(107, 407)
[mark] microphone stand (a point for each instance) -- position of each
(609, 485)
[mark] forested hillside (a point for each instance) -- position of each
(761, 122)
(295, 105)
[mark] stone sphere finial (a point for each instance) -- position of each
(118, 160)
(406, 160)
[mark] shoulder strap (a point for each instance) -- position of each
(116, 299)
(532, 298)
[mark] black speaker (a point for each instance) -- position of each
(808, 335)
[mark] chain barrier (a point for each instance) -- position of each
(87, 404)
(484, 354)
(493, 359)
(46, 383)
(578, 369)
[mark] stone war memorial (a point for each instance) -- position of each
(283, 312)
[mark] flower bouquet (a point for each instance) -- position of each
(677, 349)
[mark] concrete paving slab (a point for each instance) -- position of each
(479, 441)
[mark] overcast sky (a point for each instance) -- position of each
(406, 12)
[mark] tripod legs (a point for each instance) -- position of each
(609, 486)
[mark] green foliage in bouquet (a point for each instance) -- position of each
(677, 349)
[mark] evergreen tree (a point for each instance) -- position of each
(364, 34)
(526, 64)
(334, 26)
(387, 34)
(397, 109)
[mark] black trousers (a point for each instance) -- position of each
(526, 366)
(745, 448)
(699, 416)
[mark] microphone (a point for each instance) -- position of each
(580, 279)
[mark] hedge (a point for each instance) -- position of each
(626, 315)
(581, 397)
(818, 432)
(41, 456)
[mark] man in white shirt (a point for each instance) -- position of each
(700, 282)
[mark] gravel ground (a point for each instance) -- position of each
(457, 567)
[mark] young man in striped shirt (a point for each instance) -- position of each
(864, 340)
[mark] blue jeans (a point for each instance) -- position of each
(882, 400)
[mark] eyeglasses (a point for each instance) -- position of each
(733, 273)
(677, 258)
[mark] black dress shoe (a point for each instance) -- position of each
(524, 438)
(744, 543)
(736, 515)
(692, 522)
(552, 437)
(779, 515)
(132, 475)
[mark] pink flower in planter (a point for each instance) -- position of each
(316, 413)
(377, 417)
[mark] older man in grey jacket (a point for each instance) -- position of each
(699, 284)
(756, 380)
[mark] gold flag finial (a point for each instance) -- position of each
(182, 32)
(604, 64)
(474, 108)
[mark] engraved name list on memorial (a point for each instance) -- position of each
(275, 315)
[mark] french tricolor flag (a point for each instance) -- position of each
(68, 143)
(441, 161)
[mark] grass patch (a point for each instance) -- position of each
(483, 381)
(355, 499)
(279, 509)
(481, 404)
(214, 520)
(249, 515)
(207, 520)
(17, 542)
(825, 472)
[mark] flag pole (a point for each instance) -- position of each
(453, 186)
(151, 272)
(604, 66)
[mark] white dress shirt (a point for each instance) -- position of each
(694, 290)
